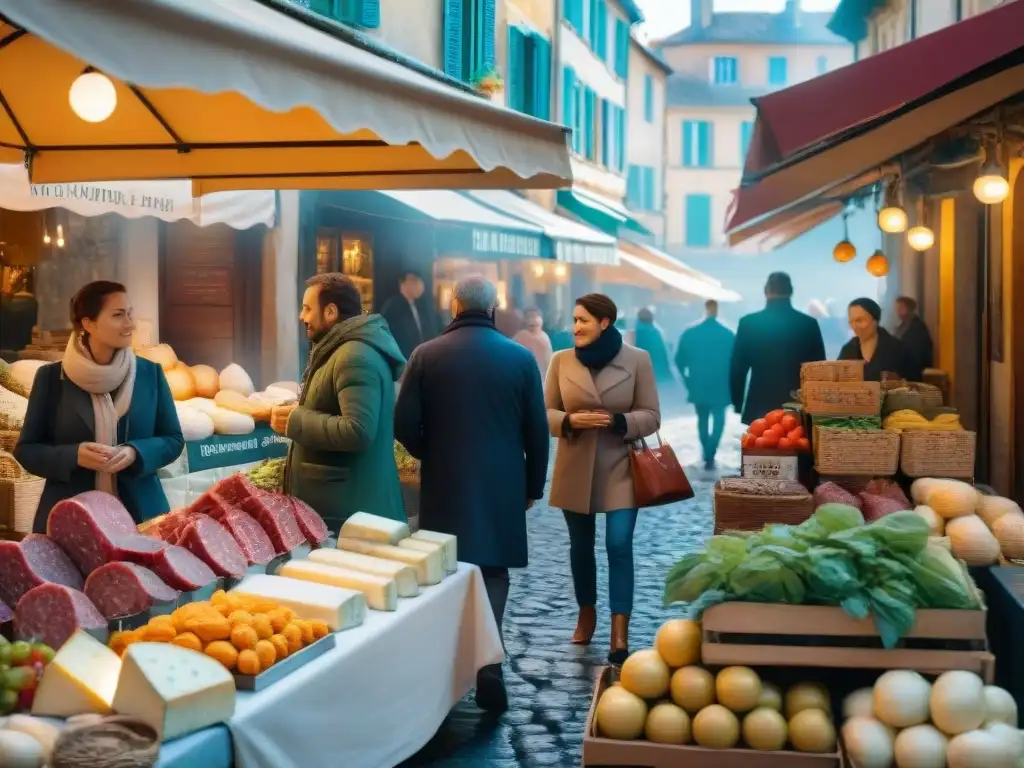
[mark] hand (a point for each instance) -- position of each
(279, 416)
(94, 456)
(590, 420)
(121, 459)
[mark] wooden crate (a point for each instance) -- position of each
(841, 398)
(771, 635)
(646, 754)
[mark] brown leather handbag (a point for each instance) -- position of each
(658, 478)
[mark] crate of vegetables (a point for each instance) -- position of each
(855, 450)
(772, 448)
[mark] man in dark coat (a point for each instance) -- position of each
(770, 346)
(913, 332)
(407, 320)
(471, 408)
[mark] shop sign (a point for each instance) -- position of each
(229, 450)
(115, 198)
(494, 242)
(586, 253)
(770, 467)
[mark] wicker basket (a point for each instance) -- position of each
(938, 454)
(841, 398)
(832, 370)
(870, 452)
(19, 497)
(8, 439)
(919, 398)
(745, 504)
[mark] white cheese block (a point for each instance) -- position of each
(80, 680)
(381, 593)
(448, 541)
(337, 607)
(403, 574)
(429, 565)
(363, 525)
(175, 690)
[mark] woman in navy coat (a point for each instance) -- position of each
(102, 418)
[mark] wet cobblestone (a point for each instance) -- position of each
(549, 680)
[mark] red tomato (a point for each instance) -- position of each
(778, 430)
(789, 422)
(796, 434)
(774, 417)
(748, 441)
(761, 442)
(757, 427)
(803, 444)
(785, 444)
(771, 440)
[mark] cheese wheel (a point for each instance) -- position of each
(183, 387)
(207, 380)
(227, 422)
(233, 401)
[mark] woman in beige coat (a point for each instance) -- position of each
(600, 396)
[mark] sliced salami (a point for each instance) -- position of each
(211, 542)
(310, 523)
(135, 548)
(34, 560)
(180, 569)
(84, 526)
(212, 504)
(6, 614)
(273, 511)
(125, 589)
(51, 613)
(235, 489)
(253, 540)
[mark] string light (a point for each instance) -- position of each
(93, 96)
(892, 218)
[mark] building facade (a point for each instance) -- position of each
(645, 138)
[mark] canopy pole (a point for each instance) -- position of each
(183, 148)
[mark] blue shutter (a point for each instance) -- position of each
(517, 86)
(591, 125)
(698, 221)
(648, 189)
(588, 17)
(746, 133)
(569, 100)
(368, 15)
(453, 37)
(777, 70)
(705, 146)
(822, 65)
(541, 49)
(688, 147)
(648, 98)
(633, 186)
(489, 20)
(580, 130)
(621, 139)
(606, 133)
(601, 36)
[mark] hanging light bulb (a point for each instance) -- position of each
(46, 237)
(845, 250)
(538, 270)
(60, 236)
(560, 270)
(93, 96)
(877, 264)
(991, 186)
(920, 237)
(892, 218)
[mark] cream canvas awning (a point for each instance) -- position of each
(679, 280)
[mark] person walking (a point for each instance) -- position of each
(770, 347)
(600, 396)
(509, 321)
(703, 357)
(471, 410)
(881, 352)
(102, 418)
(405, 319)
(912, 331)
(536, 340)
(650, 338)
(342, 455)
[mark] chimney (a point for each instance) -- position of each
(701, 12)
(793, 12)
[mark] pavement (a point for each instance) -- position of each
(550, 681)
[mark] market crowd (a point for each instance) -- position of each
(478, 405)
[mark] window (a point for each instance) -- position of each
(599, 31)
(778, 70)
(528, 80)
(620, 139)
(569, 85)
(572, 12)
(648, 98)
(725, 70)
(640, 188)
(697, 144)
(698, 221)
(746, 134)
(590, 124)
(822, 65)
(621, 48)
(468, 38)
(356, 13)
(606, 133)
(613, 136)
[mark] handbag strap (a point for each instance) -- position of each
(643, 442)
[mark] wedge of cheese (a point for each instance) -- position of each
(363, 525)
(381, 593)
(403, 574)
(429, 565)
(175, 690)
(80, 680)
(446, 540)
(337, 607)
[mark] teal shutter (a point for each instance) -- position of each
(569, 99)
(648, 98)
(601, 29)
(621, 48)
(606, 136)
(777, 70)
(705, 149)
(368, 14)
(590, 121)
(517, 84)
(621, 139)
(453, 39)
(632, 185)
(542, 77)
(746, 133)
(588, 17)
(688, 138)
(489, 19)
(698, 221)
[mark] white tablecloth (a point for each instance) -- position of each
(381, 694)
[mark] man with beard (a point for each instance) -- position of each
(342, 457)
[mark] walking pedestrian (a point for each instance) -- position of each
(471, 410)
(102, 418)
(342, 455)
(600, 396)
(534, 338)
(881, 352)
(703, 357)
(650, 338)
(770, 347)
(508, 320)
(912, 331)
(405, 318)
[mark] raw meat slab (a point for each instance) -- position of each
(310, 523)
(253, 540)
(212, 543)
(51, 613)
(182, 570)
(273, 511)
(34, 560)
(125, 589)
(84, 526)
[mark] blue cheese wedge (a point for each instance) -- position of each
(403, 574)
(447, 541)
(337, 607)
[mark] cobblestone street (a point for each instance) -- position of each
(549, 680)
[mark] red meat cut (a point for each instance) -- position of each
(6, 614)
(310, 523)
(211, 503)
(136, 548)
(180, 569)
(253, 540)
(125, 589)
(34, 560)
(51, 613)
(235, 489)
(273, 511)
(84, 526)
(211, 542)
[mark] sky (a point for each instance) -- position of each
(667, 16)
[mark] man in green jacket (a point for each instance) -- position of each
(342, 458)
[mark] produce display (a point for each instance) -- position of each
(268, 475)
(778, 430)
(22, 666)
(879, 497)
(913, 420)
(980, 528)
(407, 464)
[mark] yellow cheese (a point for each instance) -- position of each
(429, 565)
(80, 680)
(403, 574)
(448, 541)
(363, 525)
(175, 690)
(337, 607)
(381, 593)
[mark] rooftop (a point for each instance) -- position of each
(654, 57)
(759, 29)
(690, 91)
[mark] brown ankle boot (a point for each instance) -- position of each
(585, 625)
(620, 638)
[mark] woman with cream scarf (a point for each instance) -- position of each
(101, 419)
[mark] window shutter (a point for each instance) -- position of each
(569, 99)
(631, 186)
(746, 133)
(606, 136)
(698, 221)
(687, 144)
(453, 37)
(704, 145)
(648, 98)
(588, 18)
(591, 123)
(622, 139)
(517, 86)
(489, 20)
(601, 29)
(579, 125)
(368, 16)
(542, 77)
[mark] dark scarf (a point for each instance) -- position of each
(320, 351)
(471, 318)
(602, 351)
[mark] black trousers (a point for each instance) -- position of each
(496, 582)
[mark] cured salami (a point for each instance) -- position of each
(274, 513)
(310, 523)
(51, 613)
(211, 542)
(6, 614)
(34, 560)
(135, 548)
(211, 503)
(253, 540)
(235, 489)
(85, 525)
(180, 569)
(125, 589)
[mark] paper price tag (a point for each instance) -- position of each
(770, 467)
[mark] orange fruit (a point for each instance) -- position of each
(239, 617)
(280, 643)
(218, 597)
(267, 653)
(119, 641)
(159, 632)
(293, 634)
(307, 631)
(188, 640)
(208, 626)
(224, 652)
(244, 637)
(264, 628)
(279, 619)
(248, 662)
(224, 610)
(320, 629)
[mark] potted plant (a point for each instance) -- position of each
(489, 82)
